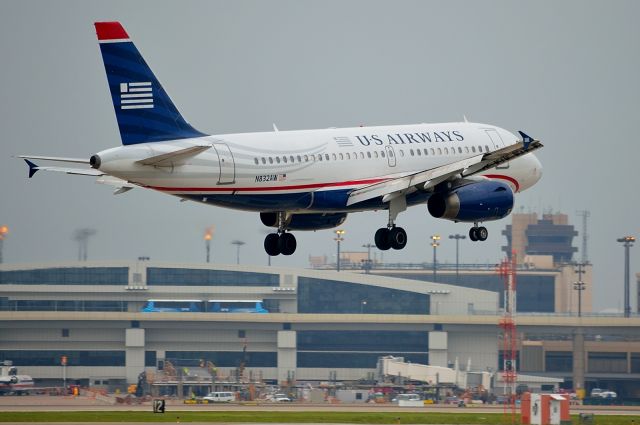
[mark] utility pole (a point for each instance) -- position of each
(457, 237)
(579, 285)
(339, 238)
(627, 242)
(434, 244)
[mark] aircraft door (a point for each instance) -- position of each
(391, 155)
(227, 164)
(495, 138)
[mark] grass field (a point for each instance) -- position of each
(285, 417)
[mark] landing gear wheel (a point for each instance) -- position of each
(482, 233)
(382, 239)
(473, 234)
(397, 238)
(271, 244)
(287, 244)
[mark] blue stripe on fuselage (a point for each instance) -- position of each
(326, 200)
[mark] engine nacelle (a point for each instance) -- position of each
(305, 221)
(481, 201)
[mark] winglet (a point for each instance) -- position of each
(33, 168)
(526, 140)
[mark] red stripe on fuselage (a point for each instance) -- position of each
(265, 189)
(503, 177)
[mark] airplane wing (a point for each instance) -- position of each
(173, 158)
(427, 179)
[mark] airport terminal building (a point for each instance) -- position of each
(114, 320)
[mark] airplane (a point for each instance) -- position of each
(11, 382)
(307, 179)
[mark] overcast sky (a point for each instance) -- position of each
(564, 72)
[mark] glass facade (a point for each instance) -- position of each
(329, 296)
(67, 276)
(206, 277)
(353, 360)
(150, 358)
(53, 357)
(536, 294)
(224, 358)
(359, 349)
(635, 362)
(61, 305)
(558, 361)
(602, 362)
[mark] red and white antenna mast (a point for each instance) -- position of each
(507, 270)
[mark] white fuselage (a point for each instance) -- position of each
(313, 170)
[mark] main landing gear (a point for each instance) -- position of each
(281, 242)
(478, 233)
(390, 237)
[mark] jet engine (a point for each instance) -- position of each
(479, 201)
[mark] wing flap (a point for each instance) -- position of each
(427, 179)
(173, 158)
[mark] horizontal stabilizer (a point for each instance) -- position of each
(173, 158)
(33, 168)
(55, 158)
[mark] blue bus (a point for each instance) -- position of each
(211, 306)
(174, 306)
(236, 306)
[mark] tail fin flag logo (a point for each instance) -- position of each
(136, 95)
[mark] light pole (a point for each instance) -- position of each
(457, 237)
(434, 244)
(339, 238)
(238, 244)
(627, 242)
(4, 230)
(579, 285)
(208, 235)
(369, 265)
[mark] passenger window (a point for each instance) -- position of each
(401, 153)
(411, 152)
(375, 153)
(446, 151)
(264, 161)
(382, 154)
(466, 149)
(439, 151)
(390, 154)
(473, 149)
(270, 160)
(278, 159)
(459, 150)
(299, 158)
(334, 157)
(479, 148)
(426, 151)
(319, 157)
(368, 154)
(326, 156)
(348, 156)
(361, 155)
(486, 148)
(419, 152)
(255, 160)
(284, 159)
(306, 158)
(341, 156)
